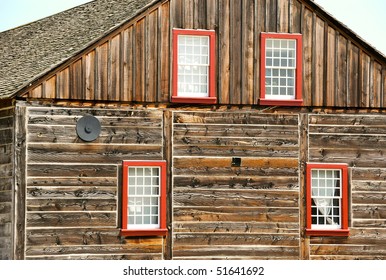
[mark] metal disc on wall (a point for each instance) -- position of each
(88, 128)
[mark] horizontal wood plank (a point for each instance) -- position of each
(71, 219)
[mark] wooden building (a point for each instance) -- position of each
(195, 129)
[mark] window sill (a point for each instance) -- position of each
(337, 232)
(194, 100)
(150, 232)
(278, 102)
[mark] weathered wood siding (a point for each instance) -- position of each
(221, 210)
(360, 141)
(6, 181)
(73, 187)
(134, 62)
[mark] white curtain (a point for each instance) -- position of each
(325, 203)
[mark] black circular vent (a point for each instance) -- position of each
(88, 128)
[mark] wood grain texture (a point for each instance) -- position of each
(133, 63)
(357, 140)
(235, 204)
(72, 203)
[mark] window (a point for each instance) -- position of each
(144, 198)
(327, 199)
(281, 69)
(194, 66)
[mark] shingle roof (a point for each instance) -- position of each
(31, 50)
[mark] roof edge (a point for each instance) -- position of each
(352, 34)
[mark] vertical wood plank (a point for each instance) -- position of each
(188, 8)
(102, 72)
(90, 75)
(50, 87)
(307, 56)
(63, 85)
(260, 27)
(152, 57)
(168, 156)
(114, 91)
(140, 40)
(211, 13)
(235, 54)
(20, 181)
(77, 84)
(200, 14)
(127, 92)
(341, 73)
(353, 76)
(377, 85)
(331, 66)
(303, 159)
(283, 16)
(37, 92)
(383, 87)
(364, 79)
(165, 54)
(177, 14)
(224, 51)
(371, 80)
(318, 58)
(248, 46)
(271, 16)
(295, 25)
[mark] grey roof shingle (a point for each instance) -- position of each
(31, 50)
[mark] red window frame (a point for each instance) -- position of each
(298, 101)
(162, 230)
(344, 230)
(211, 99)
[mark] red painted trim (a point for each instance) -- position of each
(344, 231)
(211, 99)
(150, 232)
(340, 232)
(162, 215)
(203, 100)
(275, 102)
(298, 101)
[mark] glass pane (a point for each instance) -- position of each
(154, 220)
(138, 220)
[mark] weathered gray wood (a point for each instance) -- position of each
(69, 204)
(71, 219)
(74, 170)
(237, 252)
(227, 239)
(238, 182)
(93, 153)
(231, 198)
(235, 227)
(20, 143)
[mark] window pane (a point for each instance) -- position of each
(143, 197)
(280, 63)
(325, 212)
(192, 64)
